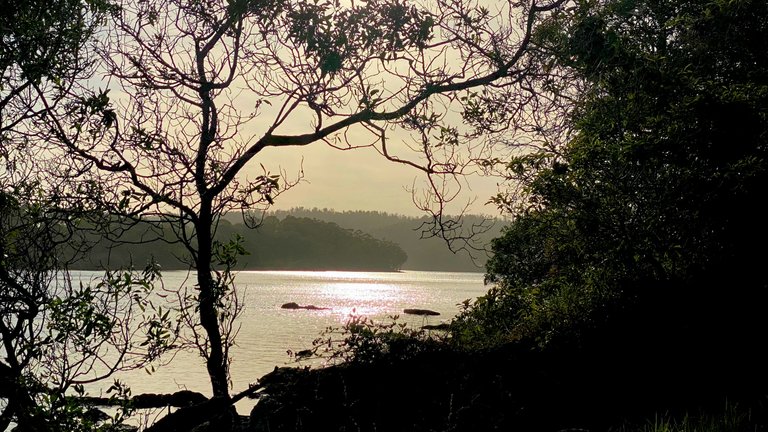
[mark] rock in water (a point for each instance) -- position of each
(420, 312)
(294, 305)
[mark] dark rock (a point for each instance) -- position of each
(96, 415)
(214, 414)
(294, 305)
(179, 399)
(270, 415)
(441, 326)
(304, 353)
(423, 312)
(186, 398)
(242, 423)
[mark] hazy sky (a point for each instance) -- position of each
(359, 179)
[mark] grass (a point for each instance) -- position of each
(732, 419)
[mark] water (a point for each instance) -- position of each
(268, 331)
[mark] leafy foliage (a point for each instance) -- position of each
(342, 39)
(653, 204)
(363, 341)
(58, 333)
(45, 39)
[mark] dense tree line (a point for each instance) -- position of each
(424, 250)
(654, 203)
(288, 244)
(640, 236)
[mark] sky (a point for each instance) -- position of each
(356, 179)
(360, 179)
(348, 180)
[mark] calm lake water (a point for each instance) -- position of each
(268, 331)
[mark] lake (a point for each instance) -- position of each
(268, 331)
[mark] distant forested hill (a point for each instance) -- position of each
(405, 231)
(304, 243)
(305, 239)
(290, 243)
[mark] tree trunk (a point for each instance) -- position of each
(216, 363)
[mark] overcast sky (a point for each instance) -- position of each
(359, 180)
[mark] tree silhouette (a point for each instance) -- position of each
(200, 89)
(57, 333)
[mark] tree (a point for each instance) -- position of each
(174, 145)
(40, 42)
(650, 207)
(57, 333)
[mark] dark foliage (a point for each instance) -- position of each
(651, 216)
(510, 387)
(630, 281)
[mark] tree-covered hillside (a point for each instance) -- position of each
(410, 233)
(303, 243)
(312, 239)
(288, 244)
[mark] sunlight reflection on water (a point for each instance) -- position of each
(268, 331)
